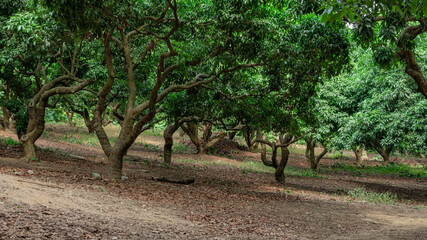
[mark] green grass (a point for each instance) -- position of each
(179, 148)
(10, 141)
(300, 172)
(249, 166)
(152, 132)
(391, 168)
(379, 198)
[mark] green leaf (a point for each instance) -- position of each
(351, 15)
(414, 6)
(425, 7)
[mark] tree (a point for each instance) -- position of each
(7, 74)
(37, 45)
(384, 25)
(376, 108)
(168, 46)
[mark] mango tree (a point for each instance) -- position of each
(377, 108)
(390, 28)
(47, 59)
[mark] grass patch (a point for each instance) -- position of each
(391, 168)
(244, 166)
(300, 172)
(179, 148)
(379, 198)
(259, 167)
(152, 132)
(10, 142)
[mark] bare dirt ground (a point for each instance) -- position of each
(56, 198)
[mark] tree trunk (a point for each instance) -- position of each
(167, 149)
(232, 135)
(105, 120)
(412, 68)
(311, 155)
(6, 118)
(207, 132)
(264, 155)
(258, 136)
(192, 130)
(274, 156)
(29, 150)
(70, 116)
(181, 135)
(360, 153)
(89, 123)
(115, 165)
(213, 141)
(249, 136)
(385, 153)
(280, 170)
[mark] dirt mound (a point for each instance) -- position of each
(226, 146)
(223, 147)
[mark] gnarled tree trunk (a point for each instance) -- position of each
(406, 54)
(384, 152)
(249, 135)
(29, 150)
(284, 141)
(360, 153)
(88, 122)
(213, 141)
(207, 132)
(192, 130)
(231, 135)
(280, 170)
(115, 164)
(70, 116)
(167, 148)
(310, 153)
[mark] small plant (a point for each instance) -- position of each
(391, 168)
(11, 142)
(293, 171)
(379, 198)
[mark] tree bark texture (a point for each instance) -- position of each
(311, 155)
(70, 116)
(29, 150)
(192, 130)
(360, 154)
(249, 135)
(384, 152)
(406, 54)
(284, 141)
(168, 136)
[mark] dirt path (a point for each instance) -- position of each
(59, 200)
(30, 208)
(37, 207)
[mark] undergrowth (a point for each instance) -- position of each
(391, 168)
(10, 142)
(379, 198)
(249, 166)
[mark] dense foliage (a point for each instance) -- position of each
(253, 66)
